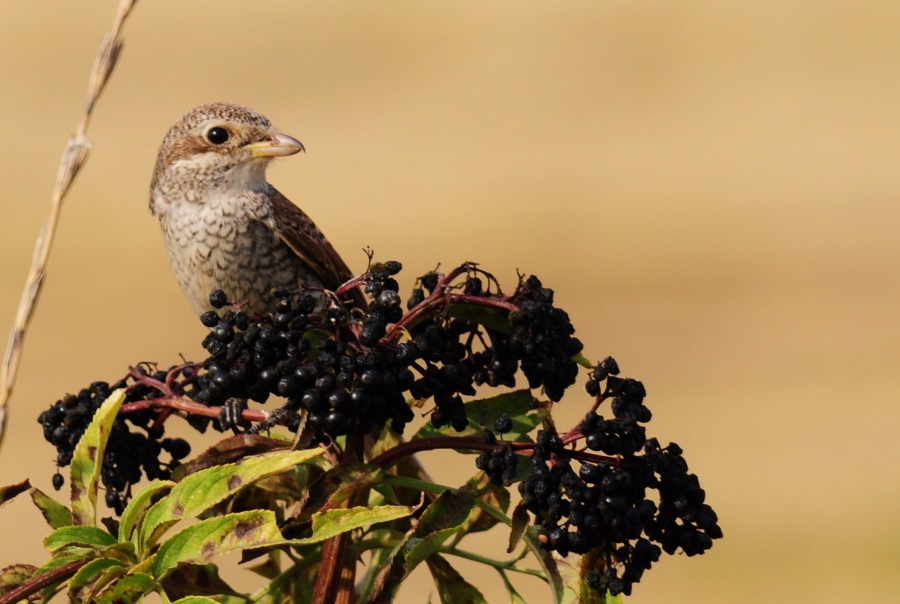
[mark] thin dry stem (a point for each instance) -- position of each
(76, 152)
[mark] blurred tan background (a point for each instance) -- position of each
(711, 187)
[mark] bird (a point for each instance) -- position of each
(224, 226)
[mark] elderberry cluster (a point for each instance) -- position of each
(347, 369)
(606, 504)
(540, 341)
(501, 462)
(128, 453)
(311, 357)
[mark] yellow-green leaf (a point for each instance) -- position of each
(14, 575)
(199, 492)
(336, 521)
(130, 588)
(135, 511)
(210, 538)
(87, 460)
(91, 577)
(56, 514)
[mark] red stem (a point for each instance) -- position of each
(36, 584)
(179, 404)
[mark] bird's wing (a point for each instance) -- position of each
(302, 235)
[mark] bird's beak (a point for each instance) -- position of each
(278, 145)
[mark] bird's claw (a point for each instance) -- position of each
(231, 415)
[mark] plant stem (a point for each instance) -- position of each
(509, 565)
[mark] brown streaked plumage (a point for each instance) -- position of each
(225, 227)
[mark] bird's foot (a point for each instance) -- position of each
(231, 415)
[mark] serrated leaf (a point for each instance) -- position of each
(91, 577)
(195, 600)
(73, 558)
(134, 513)
(56, 514)
(130, 588)
(230, 450)
(207, 539)
(14, 575)
(11, 491)
(66, 556)
(199, 492)
(81, 536)
(452, 588)
(334, 522)
(87, 460)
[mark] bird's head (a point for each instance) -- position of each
(218, 145)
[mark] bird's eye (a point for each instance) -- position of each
(217, 136)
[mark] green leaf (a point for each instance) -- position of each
(87, 460)
(66, 556)
(202, 542)
(334, 522)
(583, 361)
(81, 536)
(574, 587)
(11, 491)
(130, 588)
(135, 511)
(492, 318)
(443, 517)
(518, 405)
(452, 588)
(438, 523)
(93, 576)
(123, 552)
(486, 492)
(195, 600)
(520, 522)
(199, 492)
(56, 514)
(548, 564)
(564, 575)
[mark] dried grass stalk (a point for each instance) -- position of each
(77, 149)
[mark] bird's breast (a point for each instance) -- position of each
(229, 243)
